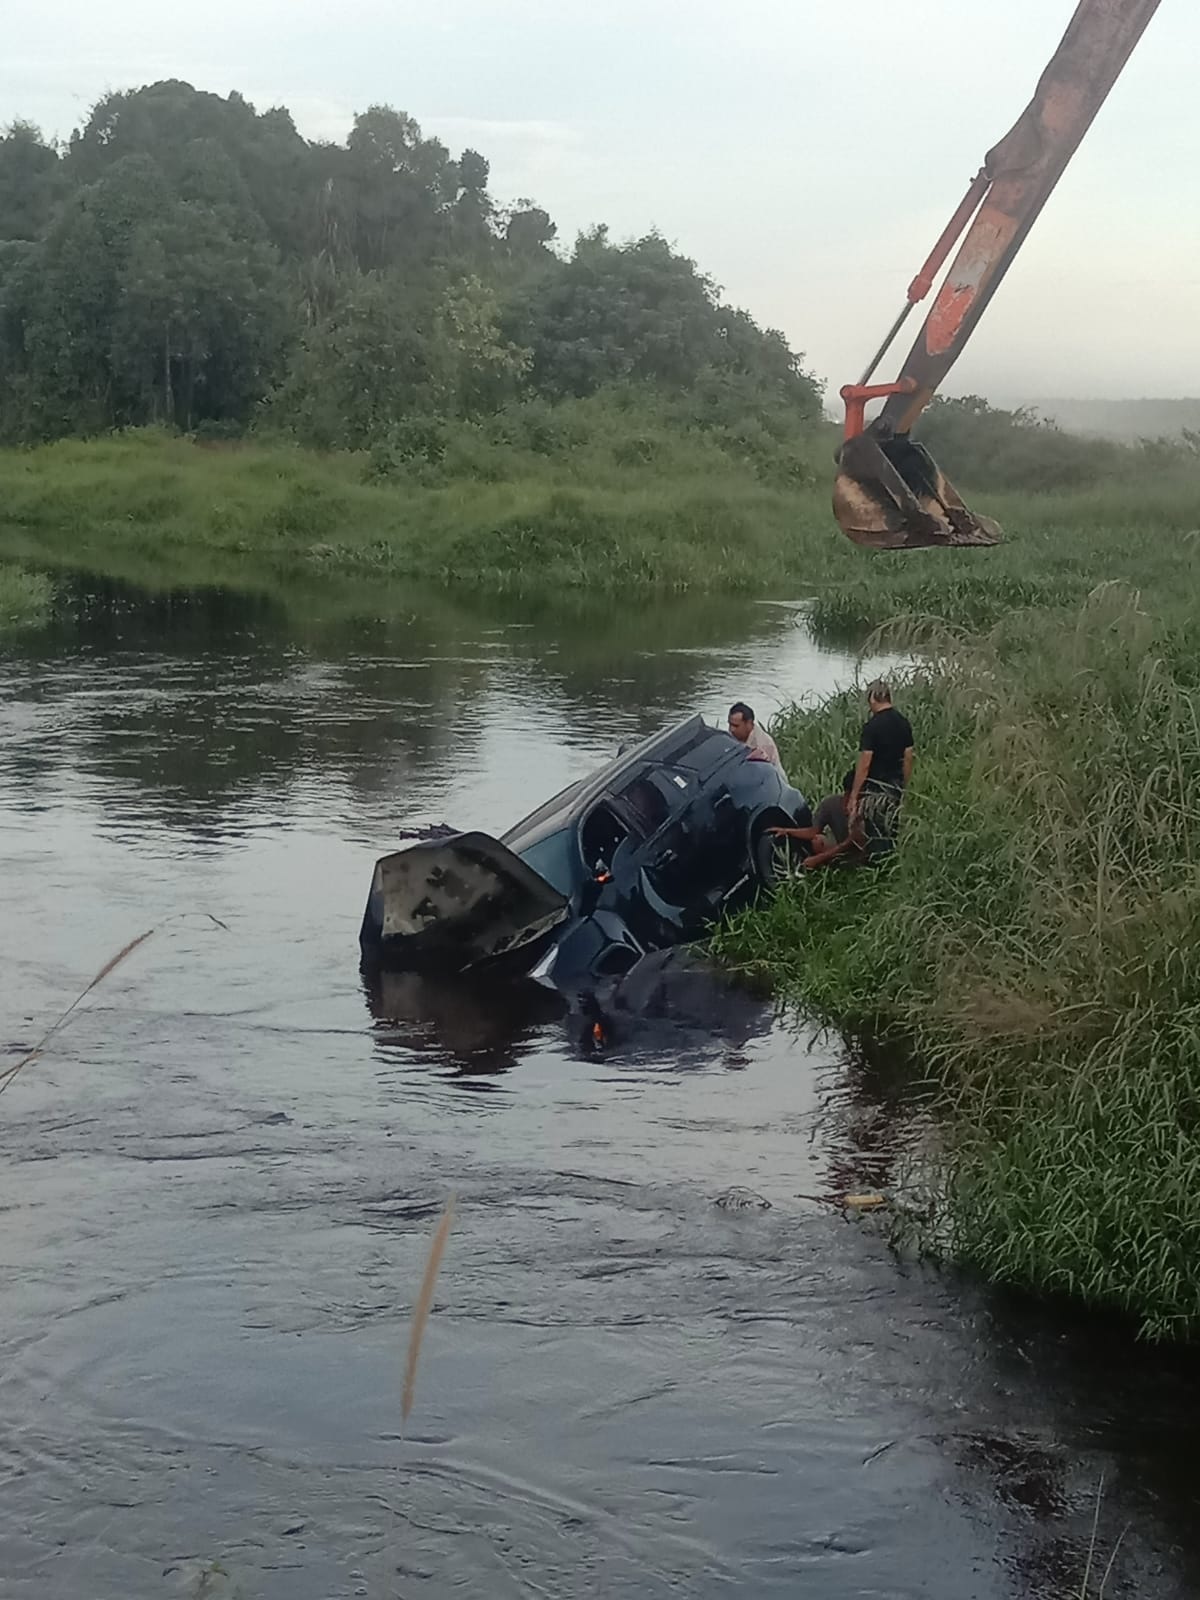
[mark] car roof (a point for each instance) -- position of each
(692, 744)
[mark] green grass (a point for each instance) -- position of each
(696, 520)
(25, 598)
(1037, 939)
(588, 500)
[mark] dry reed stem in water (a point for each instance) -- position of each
(1087, 1571)
(9, 1073)
(420, 1314)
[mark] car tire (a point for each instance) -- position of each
(772, 858)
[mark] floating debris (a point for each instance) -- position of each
(864, 1202)
(742, 1200)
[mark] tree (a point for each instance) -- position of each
(393, 348)
(166, 121)
(147, 307)
(398, 189)
(986, 447)
(641, 311)
(529, 233)
(31, 182)
(190, 260)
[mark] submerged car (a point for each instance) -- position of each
(646, 853)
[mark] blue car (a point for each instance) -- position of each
(646, 853)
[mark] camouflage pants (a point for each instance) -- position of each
(879, 812)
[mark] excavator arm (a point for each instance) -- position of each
(889, 493)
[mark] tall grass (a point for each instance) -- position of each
(1037, 936)
(25, 597)
(684, 514)
(580, 498)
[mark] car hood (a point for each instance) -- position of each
(461, 900)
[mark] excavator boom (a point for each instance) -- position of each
(889, 493)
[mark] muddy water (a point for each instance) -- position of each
(219, 1182)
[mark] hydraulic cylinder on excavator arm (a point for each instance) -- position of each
(889, 493)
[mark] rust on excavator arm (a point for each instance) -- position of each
(889, 493)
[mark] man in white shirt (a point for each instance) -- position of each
(746, 731)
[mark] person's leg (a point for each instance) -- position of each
(880, 811)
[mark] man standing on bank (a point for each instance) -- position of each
(884, 767)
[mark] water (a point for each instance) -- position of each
(220, 1181)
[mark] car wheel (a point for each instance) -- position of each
(774, 860)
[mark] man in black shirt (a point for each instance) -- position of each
(885, 763)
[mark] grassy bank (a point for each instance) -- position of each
(572, 499)
(679, 514)
(25, 598)
(1038, 939)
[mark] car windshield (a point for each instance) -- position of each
(555, 857)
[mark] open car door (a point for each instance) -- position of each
(457, 902)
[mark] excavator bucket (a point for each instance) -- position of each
(890, 494)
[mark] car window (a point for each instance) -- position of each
(555, 858)
(548, 818)
(646, 803)
(602, 834)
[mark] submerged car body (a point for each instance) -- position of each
(644, 854)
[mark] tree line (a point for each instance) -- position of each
(188, 261)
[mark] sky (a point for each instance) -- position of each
(805, 152)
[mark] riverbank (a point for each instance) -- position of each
(25, 597)
(635, 515)
(1036, 940)
(685, 518)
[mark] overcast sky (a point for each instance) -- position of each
(805, 152)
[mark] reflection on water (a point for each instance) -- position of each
(218, 1185)
(670, 1008)
(473, 1026)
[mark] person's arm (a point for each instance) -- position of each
(856, 839)
(861, 769)
(908, 766)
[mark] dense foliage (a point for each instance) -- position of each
(186, 260)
